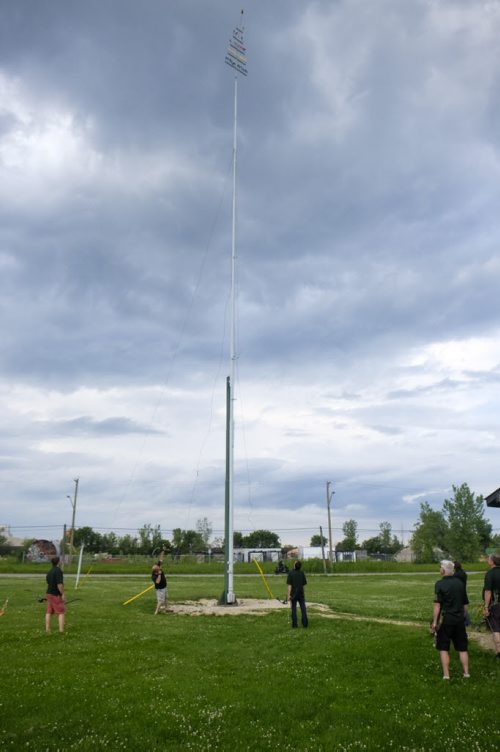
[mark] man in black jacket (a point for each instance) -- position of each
(296, 580)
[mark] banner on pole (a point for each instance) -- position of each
(236, 52)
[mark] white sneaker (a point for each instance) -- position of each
(466, 676)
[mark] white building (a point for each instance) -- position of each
(259, 554)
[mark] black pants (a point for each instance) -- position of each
(302, 603)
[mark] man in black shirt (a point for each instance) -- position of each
(55, 595)
(296, 580)
(492, 599)
(448, 618)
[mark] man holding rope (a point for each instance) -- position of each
(492, 599)
(160, 583)
(55, 595)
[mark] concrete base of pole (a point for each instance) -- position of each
(227, 599)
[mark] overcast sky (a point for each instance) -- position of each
(368, 261)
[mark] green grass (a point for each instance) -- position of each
(190, 565)
(122, 679)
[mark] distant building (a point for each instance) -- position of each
(315, 552)
(405, 555)
(493, 500)
(259, 554)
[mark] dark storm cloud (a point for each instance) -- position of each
(361, 205)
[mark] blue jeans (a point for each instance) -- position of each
(302, 603)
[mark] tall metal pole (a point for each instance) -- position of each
(228, 549)
(236, 59)
(63, 547)
(328, 500)
(230, 596)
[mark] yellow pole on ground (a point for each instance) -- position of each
(138, 595)
(263, 577)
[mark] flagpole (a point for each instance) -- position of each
(236, 59)
(232, 380)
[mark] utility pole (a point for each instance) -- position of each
(73, 504)
(329, 496)
(322, 548)
(63, 546)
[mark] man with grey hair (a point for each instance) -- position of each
(448, 618)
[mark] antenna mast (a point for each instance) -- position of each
(236, 59)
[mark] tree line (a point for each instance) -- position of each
(459, 530)
(384, 543)
(149, 539)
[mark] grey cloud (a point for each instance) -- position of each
(388, 430)
(445, 385)
(87, 426)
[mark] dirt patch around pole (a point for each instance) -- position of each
(261, 607)
(243, 606)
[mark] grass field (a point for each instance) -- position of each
(121, 678)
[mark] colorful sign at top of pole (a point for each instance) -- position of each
(236, 52)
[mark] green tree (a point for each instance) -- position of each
(90, 538)
(467, 529)
(389, 543)
(187, 541)
(109, 543)
(261, 539)
(237, 540)
(150, 539)
(485, 531)
(372, 545)
(4, 547)
(204, 528)
(385, 537)
(318, 540)
(350, 530)
(383, 543)
(430, 534)
(128, 545)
